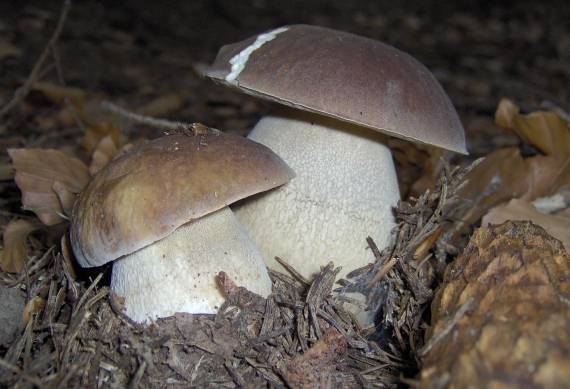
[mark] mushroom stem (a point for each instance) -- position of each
(344, 190)
(177, 273)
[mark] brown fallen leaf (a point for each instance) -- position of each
(162, 105)
(500, 318)
(58, 94)
(504, 175)
(314, 368)
(545, 175)
(545, 130)
(15, 245)
(49, 180)
(417, 166)
(34, 306)
(517, 209)
(555, 203)
(104, 152)
(94, 134)
(496, 179)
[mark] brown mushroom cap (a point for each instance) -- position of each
(144, 195)
(348, 77)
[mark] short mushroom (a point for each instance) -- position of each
(341, 95)
(161, 210)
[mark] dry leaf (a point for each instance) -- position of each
(49, 180)
(545, 175)
(65, 195)
(58, 94)
(417, 166)
(15, 246)
(162, 106)
(33, 307)
(94, 134)
(104, 152)
(504, 175)
(551, 204)
(546, 130)
(516, 209)
(498, 178)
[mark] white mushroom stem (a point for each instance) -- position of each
(177, 273)
(344, 190)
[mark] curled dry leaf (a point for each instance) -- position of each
(545, 130)
(515, 281)
(49, 180)
(104, 152)
(95, 133)
(504, 175)
(517, 209)
(15, 246)
(545, 175)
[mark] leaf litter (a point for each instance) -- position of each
(74, 333)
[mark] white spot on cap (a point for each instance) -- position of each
(239, 60)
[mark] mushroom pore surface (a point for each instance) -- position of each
(178, 273)
(344, 190)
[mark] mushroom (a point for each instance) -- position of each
(161, 211)
(341, 95)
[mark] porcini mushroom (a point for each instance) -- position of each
(341, 92)
(161, 211)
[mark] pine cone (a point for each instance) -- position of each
(502, 315)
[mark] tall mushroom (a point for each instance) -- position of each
(340, 92)
(161, 211)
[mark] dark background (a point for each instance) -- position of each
(135, 51)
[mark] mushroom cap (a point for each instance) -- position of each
(344, 76)
(146, 194)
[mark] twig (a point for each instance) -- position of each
(86, 294)
(17, 370)
(138, 376)
(293, 271)
(117, 309)
(23, 91)
(141, 119)
(374, 248)
(61, 80)
(447, 329)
